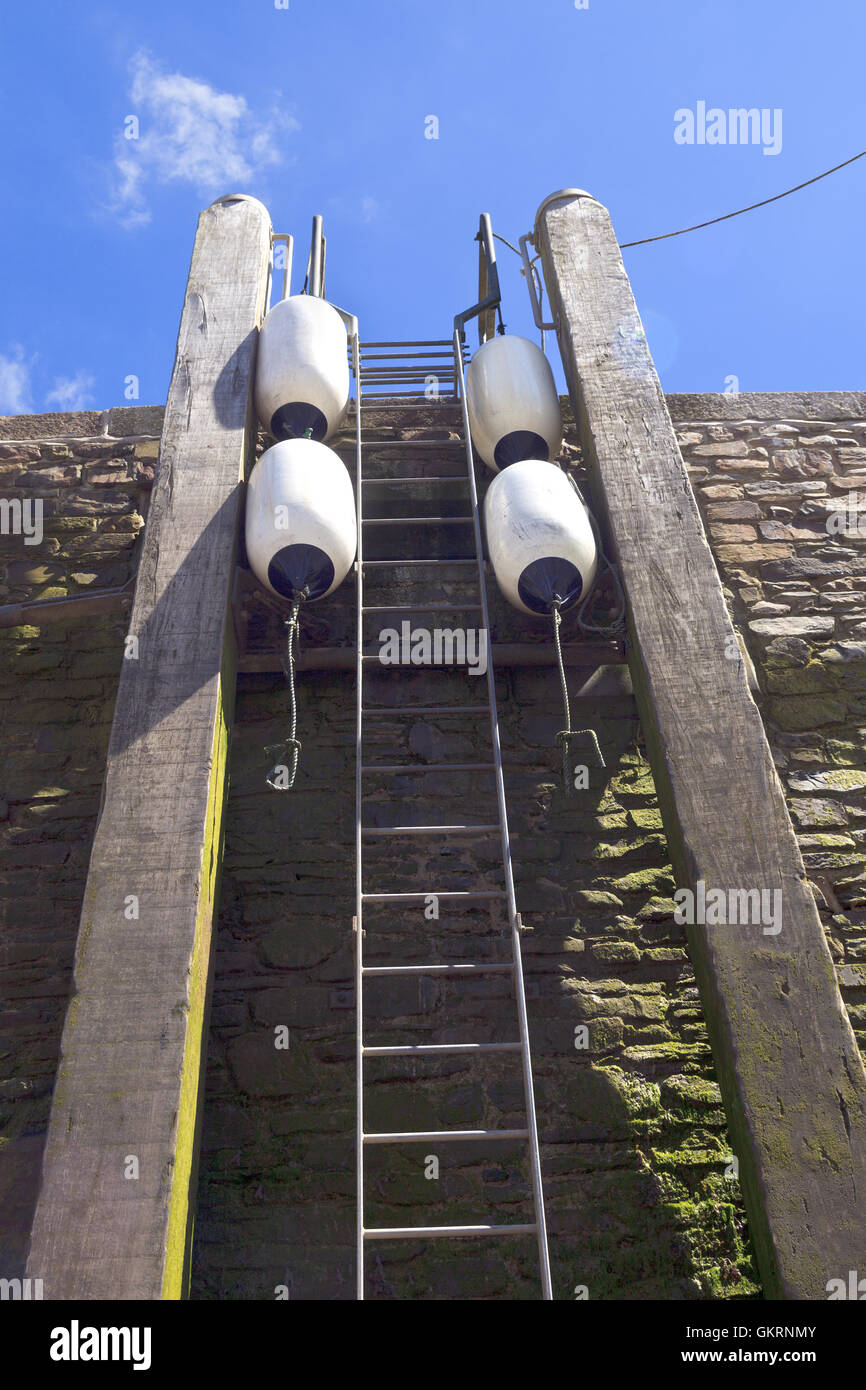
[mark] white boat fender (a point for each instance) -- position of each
(302, 369)
(513, 407)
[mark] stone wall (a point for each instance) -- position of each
(640, 1196)
(784, 504)
(57, 691)
(635, 1154)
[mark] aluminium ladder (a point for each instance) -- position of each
(398, 366)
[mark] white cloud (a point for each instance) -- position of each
(71, 392)
(369, 209)
(188, 132)
(15, 383)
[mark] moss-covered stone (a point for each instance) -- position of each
(808, 711)
(685, 1091)
(615, 952)
(596, 898)
(654, 881)
(812, 679)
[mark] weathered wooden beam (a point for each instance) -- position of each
(113, 1217)
(790, 1072)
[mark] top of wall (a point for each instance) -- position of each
(122, 422)
(769, 405)
(128, 421)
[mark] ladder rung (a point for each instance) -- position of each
(459, 560)
(414, 521)
(438, 1049)
(441, 477)
(432, 1232)
(414, 381)
(428, 829)
(400, 356)
(406, 342)
(397, 371)
(428, 767)
(434, 666)
(426, 709)
(458, 894)
(427, 1136)
(372, 444)
(493, 969)
(443, 607)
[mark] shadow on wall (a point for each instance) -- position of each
(57, 702)
(632, 1131)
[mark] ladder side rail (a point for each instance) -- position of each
(359, 920)
(519, 990)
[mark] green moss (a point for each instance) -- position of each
(842, 753)
(653, 881)
(812, 679)
(616, 820)
(808, 711)
(843, 779)
(679, 1091)
(624, 847)
(615, 953)
(825, 841)
(637, 783)
(58, 525)
(591, 897)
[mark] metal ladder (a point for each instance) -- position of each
(401, 366)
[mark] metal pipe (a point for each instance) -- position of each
(317, 260)
(51, 610)
(489, 296)
(289, 243)
(590, 654)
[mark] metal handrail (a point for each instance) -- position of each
(488, 285)
(289, 242)
(489, 296)
(315, 278)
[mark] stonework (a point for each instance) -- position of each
(642, 1197)
(57, 700)
(795, 581)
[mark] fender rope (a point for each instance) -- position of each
(566, 734)
(290, 746)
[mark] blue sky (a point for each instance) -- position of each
(322, 107)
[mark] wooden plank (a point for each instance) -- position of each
(791, 1075)
(113, 1217)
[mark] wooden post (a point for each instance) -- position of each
(114, 1214)
(791, 1075)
